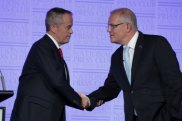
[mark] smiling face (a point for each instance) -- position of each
(62, 32)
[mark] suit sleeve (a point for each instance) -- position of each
(170, 75)
(107, 92)
(53, 70)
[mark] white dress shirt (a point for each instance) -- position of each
(131, 44)
(57, 45)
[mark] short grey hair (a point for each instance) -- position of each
(127, 15)
(54, 16)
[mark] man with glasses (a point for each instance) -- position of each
(145, 68)
(44, 88)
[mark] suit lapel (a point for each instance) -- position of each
(66, 71)
(137, 57)
(65, 67)
(119, 70)
(56, 52)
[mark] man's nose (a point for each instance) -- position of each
(71, 31)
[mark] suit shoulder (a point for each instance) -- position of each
(154, 37)
(118, 51)
(157, 40)
(150, 40)
(42, 42)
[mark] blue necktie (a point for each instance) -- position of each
(127, 63)
(128, 66)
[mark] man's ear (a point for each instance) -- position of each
(129, 27)
(53, 28)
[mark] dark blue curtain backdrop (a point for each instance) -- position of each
(89, 51)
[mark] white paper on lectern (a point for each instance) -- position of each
(1, 114)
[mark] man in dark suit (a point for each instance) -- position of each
(145, 67)
(44, 88)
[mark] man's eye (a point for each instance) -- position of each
(68, 27)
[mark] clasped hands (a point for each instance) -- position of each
(86, 101)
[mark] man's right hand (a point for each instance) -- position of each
(85, 100)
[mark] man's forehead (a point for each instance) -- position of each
(114, 17)
(67, 18)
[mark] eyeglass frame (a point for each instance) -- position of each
(113, 26)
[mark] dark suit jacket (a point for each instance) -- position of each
(155, 90)
(44, 89)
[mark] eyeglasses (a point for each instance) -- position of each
(113, 26)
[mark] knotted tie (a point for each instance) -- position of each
(128, 66)
(127, 63)
(61, 53)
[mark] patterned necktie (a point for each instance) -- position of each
(61, 53)
(127, 63)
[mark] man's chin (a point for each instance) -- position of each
(113, 41)
(67, 41)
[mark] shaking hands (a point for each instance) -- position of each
(86, 101)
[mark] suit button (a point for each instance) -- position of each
(131, 91)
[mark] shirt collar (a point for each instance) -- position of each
(54, 41)
(133, 40)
